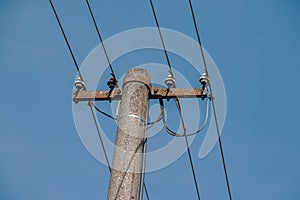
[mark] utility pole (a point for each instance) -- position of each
(131, 134)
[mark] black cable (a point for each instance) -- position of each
(161, 38)
(186, 141)
(66, 40)
(146, 191)
(188, 147)
(212, 99)
(177, 101)
(100, 136)
(101, 40)
(198, 37)
(102, 112)
(142, 176)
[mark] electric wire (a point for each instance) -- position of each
(100, 136)
(80, 75)
(212, 99)
(143, 165)
(188, 147)
(102, 112)
(182, 134)
(101, 40)
(198, 37)
(186, 142)
(176, 100)
(161, 39)
(66, 39)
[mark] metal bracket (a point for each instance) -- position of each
(155, 93)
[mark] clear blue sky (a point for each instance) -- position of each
(255, 45)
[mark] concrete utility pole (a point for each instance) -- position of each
(131, 134)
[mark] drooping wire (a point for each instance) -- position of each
(102, 112)
(101, 40)
(162, 40)
(168, 130)
(66, 40)
(212, 99)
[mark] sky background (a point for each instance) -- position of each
(254, 43)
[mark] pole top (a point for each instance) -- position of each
(138, 75)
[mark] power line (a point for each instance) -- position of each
(101, 40)
(171, 73)
(186, 141)
(176, 100)
(80, 75)
(198, 37)
(188, 148)
(212, 99)
(161, 38)
(90, 103)
(66, 39)
(100, 136)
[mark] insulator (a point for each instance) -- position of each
(79, 84)
(204, 79)
(112, 83)
(170, 81)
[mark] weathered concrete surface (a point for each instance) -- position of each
(126, 166)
